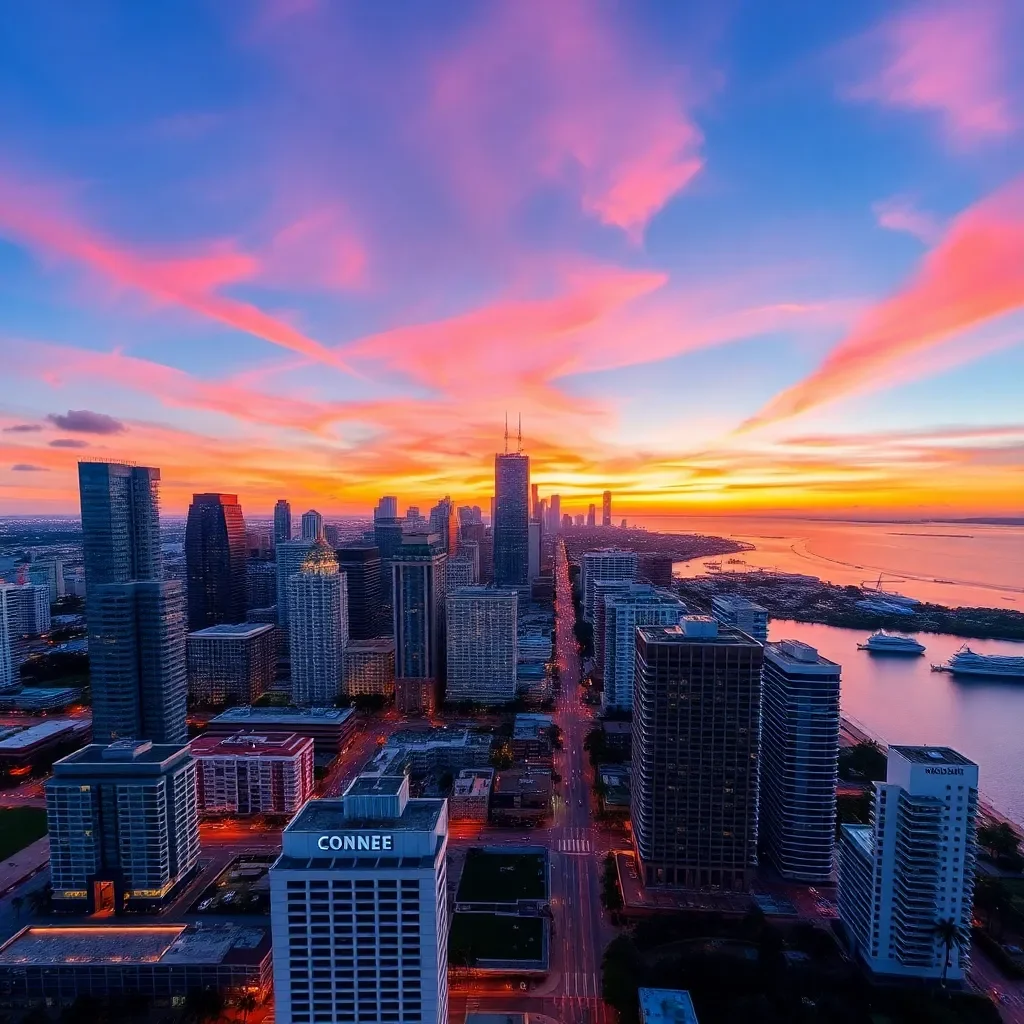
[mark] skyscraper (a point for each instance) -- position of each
(372, 866)
(136, 619)
(317, 627)
(732, 610)
(418, 571)
(444, 521)
(215, 559)
(799, 760)
(638, 605)
(478, 535)
(481, 626)
(696, 709)
(511, 519)
(606, 564)
(458, 573)
(913, 866)
(282, 522)
(361, 565)
(290, 556)
(9, 678)
(387, 536)
(555, 514)
(387, 508)
(591, 515)
(534, 501)
(312, 525)
(533, 550)
(606, 508)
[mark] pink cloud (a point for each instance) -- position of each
(900, 213)
(30, 216)
(974, 274)
(952, 60)
(318, 249)
(555, 93)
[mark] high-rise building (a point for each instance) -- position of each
(372, 866)
(731, 610)
(317, 627)
(418, 584)
(639, 605)
(912, 868)
(444, 521)
(606, 564)
(49, 573)
(253, 773)
(567, 521)
(332, 534)
(606, 508)
(260, 584)
(655, 568)
(696, 710)
(28, 616)
(231, 663)
(282, 522)
(799, 760)
(215, 558)
(534, 501)
(387, 536)
(458, 573)
(290, 556)
(136, 619)
(481, 536)
(603, 589)
(580, 520)
(555, 514)
(9, 676)
(533, 551)
(361, 565)
(312, 525)
(591, 515)
(511, 519)
(387, 508)
(481, 624)
(370, 668)
(542, 516)
(123, 824)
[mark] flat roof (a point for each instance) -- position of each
(232, 631)
(250, 744)
(614, 725)
(797, 655)
(737, 603)
(74, 945)
(863, 836)
(19, 739)
(122, 753)
(498, 875)
(522, 780)
(289, 715)
(726, 636)
(420, 815)
(666, 1006)
(933, 755)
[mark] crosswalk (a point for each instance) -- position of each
(579, 847)
(580, 985)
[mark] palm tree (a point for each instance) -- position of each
(245, 1002)
(949, 932)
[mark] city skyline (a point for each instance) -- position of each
(718, 261)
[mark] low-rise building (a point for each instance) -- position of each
(618, 736)
(420, 752)
(666, 1006)
(532, 739)
(20, 746)
(733, 610)
(39, 698)
(250, 773)
(521, 794)
(231, 663)
(471, 795)
(330, 729)
(370, 668)
(163, 962)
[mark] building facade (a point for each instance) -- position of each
(606, 508)
(458, 573)
(312, 526)
(511, 519)
(231, 664)
(799, 760)
(638, 605)
(282, 522)
(418, 573)
(361, 564)
(215, 560)
(330, 729)
(913, 866)
(123, 825)
(606, 564)
(290, 556)
(317, 628)
(481, 625)
(696, 722)
(751, 618)
(49, 573)
(359, 909)
(370, 668)
(10, 678)
(253, 773)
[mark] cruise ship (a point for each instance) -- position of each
(969, 663)
(884, 642)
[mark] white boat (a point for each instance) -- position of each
(883, 642)
(969, 663)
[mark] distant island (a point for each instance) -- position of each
(680, 547)
(808, 599)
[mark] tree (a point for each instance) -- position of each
(245, 1002)
(611, 895)
(950, 934)
(1000, 840)
(862, 761)
(203, 1005)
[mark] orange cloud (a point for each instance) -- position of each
(975, 274)
(948, 59)
(28, 216)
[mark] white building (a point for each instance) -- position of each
(254, 773)
(482, 645)
(751, 618)
(49, 573)
(799, 760)
(289, 556)
(317, 627)
(913, 867)
(639, 605)
(358, 907)
(606, 564)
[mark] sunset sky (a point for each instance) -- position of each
(718, 256)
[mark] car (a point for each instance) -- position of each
(206, 904)
(229, 896)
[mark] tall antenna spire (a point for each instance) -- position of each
(519, 446)
(506, 432)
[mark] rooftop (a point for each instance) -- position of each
(121, 753)
(178, 944)
(233, 630)
(932, 755)
(737, 603)
(691, 632)
(284, 716)
(514, 874)
(19, 739)
(863, 836)
(250, 744)
(796, 655)
(666, 1006)
(326, 815)
(530, 726)
(522, 781)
